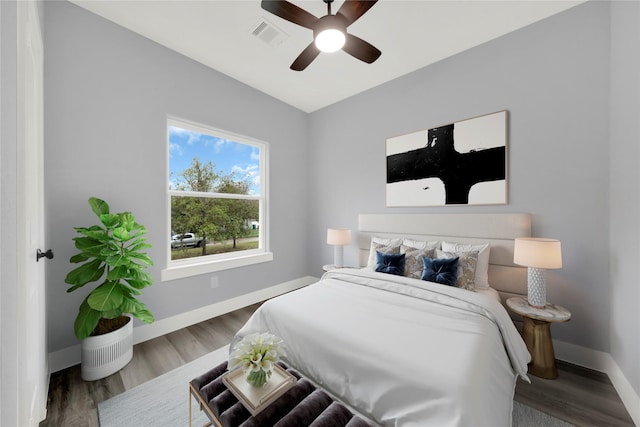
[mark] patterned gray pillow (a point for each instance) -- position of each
(466, 267)
(413, 260)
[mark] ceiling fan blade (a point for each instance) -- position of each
(290, 12)
(305, 58)
(354, 9)
(361, 49)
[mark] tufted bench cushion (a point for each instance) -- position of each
(302, 405)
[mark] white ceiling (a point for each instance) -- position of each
(410, 34)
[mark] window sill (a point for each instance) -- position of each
(183, 271)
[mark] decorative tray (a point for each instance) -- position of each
(255, 399)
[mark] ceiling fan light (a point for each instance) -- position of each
(330, 40)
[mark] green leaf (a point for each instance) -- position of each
(105, 297)
(86, 321)
(85, 273)
(74, 287)
(139, 245)
(88, 243)
(120, 272)
(130, 290)
(109, 220)
(81, 257)
(98, 206)
(136, 308)
(100, 234)
(117, 260)
(142, 257)
(121, 233)
(141, 277)
(138, 284)
(141, 228)
(93, 231)
(127, 221)
(144, 315)
(131, 305)
(111, 245)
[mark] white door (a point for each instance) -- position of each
(32, 370)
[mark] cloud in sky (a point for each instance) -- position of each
(191, 137)
(175, 149)
(255, 154)
(219, 144)
(252, 173)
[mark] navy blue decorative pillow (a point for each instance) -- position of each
(390, 263)
(440, 270)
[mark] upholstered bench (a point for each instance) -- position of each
(302, 405)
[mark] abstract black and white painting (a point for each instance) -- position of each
(462, 163)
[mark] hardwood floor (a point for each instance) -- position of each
(579, 396)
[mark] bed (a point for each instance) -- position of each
(408, 352)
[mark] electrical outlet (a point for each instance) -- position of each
(214, 282)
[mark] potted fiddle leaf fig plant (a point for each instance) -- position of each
(113, 255)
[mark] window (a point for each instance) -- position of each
(217, 200)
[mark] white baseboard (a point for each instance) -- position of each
(70, 356)
(582, 356)
(603, 362)
(626, 392)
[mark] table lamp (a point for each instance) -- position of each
(338, 237)
(537, 254)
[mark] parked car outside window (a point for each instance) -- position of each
(185, 240)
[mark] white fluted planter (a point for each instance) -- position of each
(106, 354)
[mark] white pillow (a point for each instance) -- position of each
(420, 244)
(377, 243)
(482, 267)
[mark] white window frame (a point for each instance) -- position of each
(177, 269)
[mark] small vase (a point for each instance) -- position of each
(258, 378)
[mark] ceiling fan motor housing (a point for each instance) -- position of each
(327, 22)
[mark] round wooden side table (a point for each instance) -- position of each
(536, 333)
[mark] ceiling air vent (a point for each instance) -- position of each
(268, 33)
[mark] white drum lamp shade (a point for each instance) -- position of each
(537, 254)
(338, 237)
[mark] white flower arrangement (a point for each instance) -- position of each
(256, 353)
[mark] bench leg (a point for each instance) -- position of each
(191, 396)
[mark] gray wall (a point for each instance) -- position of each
(625, 188)
(108, 92)
(553, 77)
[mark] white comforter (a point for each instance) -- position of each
(404, 352)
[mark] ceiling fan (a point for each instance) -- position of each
(329, 32)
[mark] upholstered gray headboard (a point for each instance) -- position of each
(498, 230)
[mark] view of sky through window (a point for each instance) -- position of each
(227, 156)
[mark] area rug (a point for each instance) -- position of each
(164, 401)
